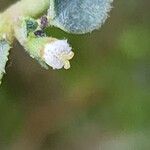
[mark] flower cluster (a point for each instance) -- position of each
(72, 16)
(47, 51)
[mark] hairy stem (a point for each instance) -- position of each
(28, 8)
(22, 8)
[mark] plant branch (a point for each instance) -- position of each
(22, 8)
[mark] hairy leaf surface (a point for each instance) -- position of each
(4, 52)
(79, 16)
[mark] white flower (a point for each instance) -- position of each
(57, 54)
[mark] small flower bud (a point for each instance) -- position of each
(57, 54)
(31, 25)
(39, 33)
(43, 22)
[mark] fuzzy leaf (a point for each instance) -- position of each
(4, 52)
(78, 16)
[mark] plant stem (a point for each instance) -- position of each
(23, 8)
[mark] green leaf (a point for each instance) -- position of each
(78, 16)
(4, 52)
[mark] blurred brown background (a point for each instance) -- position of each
(101, 103)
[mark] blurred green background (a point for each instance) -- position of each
(101, 103)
